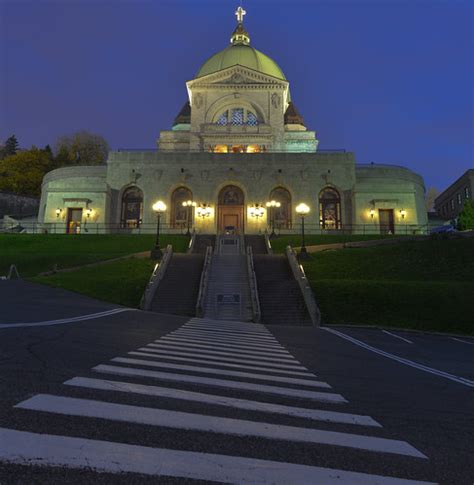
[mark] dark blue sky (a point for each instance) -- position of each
(391, 80)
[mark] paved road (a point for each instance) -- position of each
(149, 395)
(22, 301)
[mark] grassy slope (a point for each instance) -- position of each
(121, 282)
(279, 244)
(423, 285)
(33, 254)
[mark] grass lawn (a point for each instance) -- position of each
(121, 282)
(36, 253)
(279, 244)
(426, 285)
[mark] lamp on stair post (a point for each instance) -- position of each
(303, 210)
(272, 204)
(158, 208)
(189, 204)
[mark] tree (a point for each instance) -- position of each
(81, 148)
(466, 216)
(430, 197)
(10, 147)
(23, 173)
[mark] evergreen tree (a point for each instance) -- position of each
(10, 147)
(466, 217)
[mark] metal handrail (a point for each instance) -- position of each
(156, 278)
(305, 287)
(268, 244)
(256, 311)
(192, 241)
(204, 282)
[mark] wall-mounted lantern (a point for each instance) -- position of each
(372, 213)
(257, 211)
(204, 211)
(58, 212)
(403, 213)
(88, 213)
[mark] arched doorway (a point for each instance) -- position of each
(330, 209)
(132, 208)
(180, 214)
(230, 211)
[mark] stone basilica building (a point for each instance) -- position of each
(238, 143)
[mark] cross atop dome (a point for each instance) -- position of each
(240, 35)
(240, 13)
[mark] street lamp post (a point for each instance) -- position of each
(272, 204)
(189, 204)
(303, 210)
(158, 207)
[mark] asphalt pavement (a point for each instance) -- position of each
(141, 396)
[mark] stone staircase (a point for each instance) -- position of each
(257, 243)
(281, 301)
(228, 295)
(202, 241)
(178, 291)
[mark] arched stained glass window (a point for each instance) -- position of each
(132, 207)
(330, 209)
(237, 117)
(179, 214)
(223, 119)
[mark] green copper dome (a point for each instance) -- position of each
(243, 55)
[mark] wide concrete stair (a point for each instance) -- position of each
(257, 243)
(228, 295)
(178, 291)
(202, 241)
(281, 300)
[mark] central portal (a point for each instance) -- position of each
(230, 210)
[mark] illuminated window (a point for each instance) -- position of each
(466, 192)
(330, 209)
(237, 117)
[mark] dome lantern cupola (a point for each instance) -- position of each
(240, 35)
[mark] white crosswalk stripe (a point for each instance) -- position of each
(223, 343)
(221, 372)
(223, 364)
(22, 447)
(206, 362)
(314, 414)
(212, 382)
(242, 359)
(177, 420)
(252, 355)
(234, 349)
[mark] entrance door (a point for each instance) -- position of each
(74, 219)
(386, 219)
(231, 210)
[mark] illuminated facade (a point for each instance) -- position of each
(237, 143)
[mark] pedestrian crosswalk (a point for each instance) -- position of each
(222, 381)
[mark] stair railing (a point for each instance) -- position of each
(204, 283)
(192, 242)
(305, 287)
(156, 278)
(268, 244)
(256, 312)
